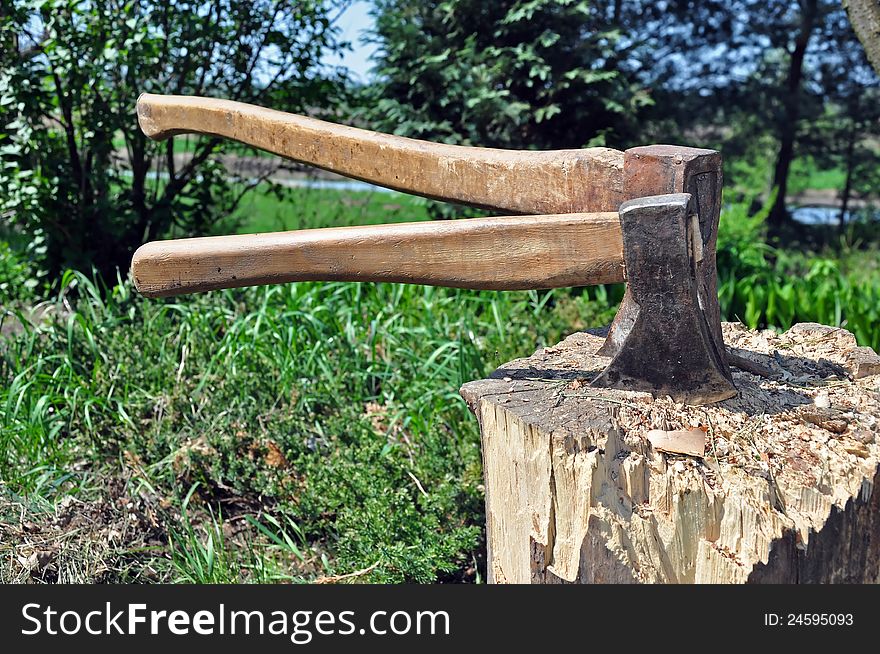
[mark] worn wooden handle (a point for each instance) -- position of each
(503, 253)
(516, 181)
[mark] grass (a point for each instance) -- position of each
(305, 431)
(308, 208)
(805, 174)
(300, 414)
(763, 286)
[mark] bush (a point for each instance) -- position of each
(19, 278)
(74, 166)
(763, 286)
(542, 74)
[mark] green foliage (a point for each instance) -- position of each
(533, 74)
(765, 286)
(333, 406)
(76, 173)
(18, 277)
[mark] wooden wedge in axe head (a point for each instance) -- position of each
(648, 216)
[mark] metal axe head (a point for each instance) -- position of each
(667, 345)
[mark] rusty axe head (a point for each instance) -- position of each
(665, 340)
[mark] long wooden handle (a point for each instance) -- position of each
(504, 253)
(516, 181)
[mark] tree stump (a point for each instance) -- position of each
(780, 485)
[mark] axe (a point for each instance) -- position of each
(647, 216)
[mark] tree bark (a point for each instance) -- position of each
(791, 112)
(865, 18)
(787, 489)
(847, 186)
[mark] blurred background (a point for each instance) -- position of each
(309, 431)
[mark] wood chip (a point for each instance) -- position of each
(863, 362)
(859, 449)
(691, 442)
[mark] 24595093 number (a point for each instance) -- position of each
(809, 619)
(820, 619)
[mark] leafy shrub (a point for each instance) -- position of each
(765, 286)
(18, 277)
(74, 165)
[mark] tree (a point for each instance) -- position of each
(790, 103)
(751, 67)
(845, 135)
(560, 73)
(76, 172)
(814, 50)
(525, 74)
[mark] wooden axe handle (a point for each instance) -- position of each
(516, 181)
(503, 253)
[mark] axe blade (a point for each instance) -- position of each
(669, 348)
(658, 169)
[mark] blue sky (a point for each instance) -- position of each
(352, 23)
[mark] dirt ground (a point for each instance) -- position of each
(117, 538)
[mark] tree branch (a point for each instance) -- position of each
(169, 158)
(173, 188)
(70, 133)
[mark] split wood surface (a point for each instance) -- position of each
(511, 181)
(787, 488)
(502, 253)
